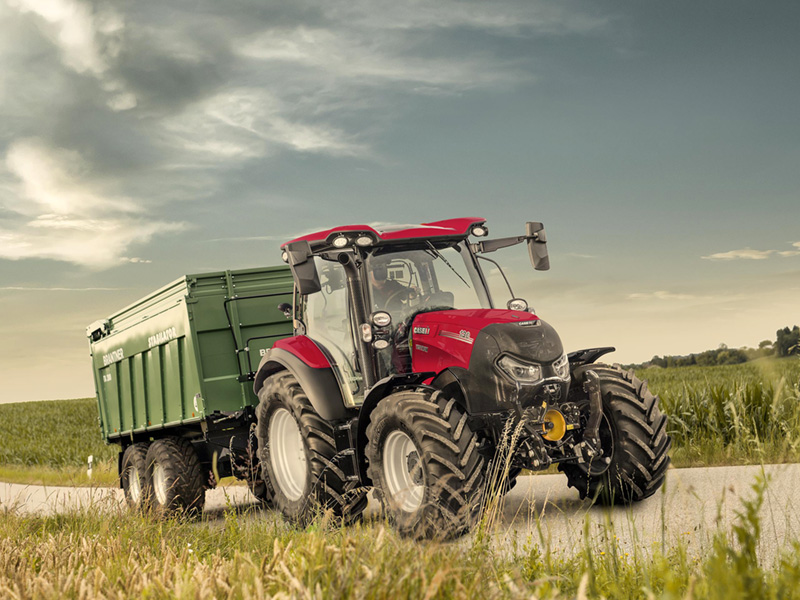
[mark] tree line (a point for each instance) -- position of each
(787, 343)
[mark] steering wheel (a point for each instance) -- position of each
(402, 296)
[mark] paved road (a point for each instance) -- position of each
(540, 509)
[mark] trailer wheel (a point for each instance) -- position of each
(296, 447)
(132, 476)
(633, 438)
(175, 477)
(425, 465)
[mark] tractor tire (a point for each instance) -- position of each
(632, 435)
(175, 477)
(260, 488)
(132, 477)
(424, 462)
(297, 453)
(261, 491)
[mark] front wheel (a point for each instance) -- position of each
(633, 439)
(425, 465)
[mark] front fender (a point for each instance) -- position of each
(587, 356)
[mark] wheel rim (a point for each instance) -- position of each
(134, 485)
(160, 484)
(404, 476)
(287, 454)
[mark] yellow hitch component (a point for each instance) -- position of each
(559, 425)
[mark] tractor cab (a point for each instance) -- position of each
(360, 289)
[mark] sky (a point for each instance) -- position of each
(659, 142)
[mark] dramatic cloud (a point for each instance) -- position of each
(63, 217)
(87, 40)
(121, 114)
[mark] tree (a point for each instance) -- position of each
(788, 341)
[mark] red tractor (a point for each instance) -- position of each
(404, 377)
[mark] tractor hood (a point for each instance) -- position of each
(469, 344)
(451, 338)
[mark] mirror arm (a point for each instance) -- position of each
(492, 245)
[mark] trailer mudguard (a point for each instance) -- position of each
(317, 380)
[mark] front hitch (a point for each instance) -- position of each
(591, 435)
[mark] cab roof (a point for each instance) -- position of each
(385, 232)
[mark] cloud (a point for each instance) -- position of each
(664, 295)
(251, 122)
(750, 254)
(87, 40)
(135, 260)
(65, 217)
(743, 254)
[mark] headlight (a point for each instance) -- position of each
(520, 371)
(517, 304)
(561, 367)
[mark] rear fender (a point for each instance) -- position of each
(318, 382)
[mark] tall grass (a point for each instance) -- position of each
(731, 414)
(111, 553)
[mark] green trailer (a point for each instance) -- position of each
(176, 367)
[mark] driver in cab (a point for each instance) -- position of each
(387, 294)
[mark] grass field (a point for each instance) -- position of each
(733, 414)
(49, 443)
(737, 414)
(110, 553)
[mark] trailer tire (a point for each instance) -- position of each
(424, 462)
(133, 476)
(175, 477)
(300, 463)
(632, 434)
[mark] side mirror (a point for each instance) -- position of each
(304, 270)
(537, 245)
(286, 309)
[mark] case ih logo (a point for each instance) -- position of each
(422, 330)
(529, 323)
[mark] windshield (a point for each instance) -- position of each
(429, 277)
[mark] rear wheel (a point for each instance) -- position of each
(296, 448)
(133, 477)
(424, 464)
(633, 438)
(175, 477)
